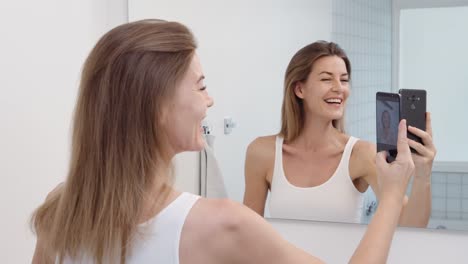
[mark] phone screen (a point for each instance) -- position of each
(387, 120)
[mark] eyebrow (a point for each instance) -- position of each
(201, 78)
(329, 73)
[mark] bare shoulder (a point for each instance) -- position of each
(363, 149)
(211, 230)
(218, 229)
(215, 207)
(262, 148)
(362, 160)
(223, 215)
(260, 156)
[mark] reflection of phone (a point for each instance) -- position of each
(387, 120)
(413, 109)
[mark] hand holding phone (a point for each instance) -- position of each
(409, 104)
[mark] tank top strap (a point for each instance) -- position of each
(278, 167)
(349, 148)
(278, 147)
(162, 240)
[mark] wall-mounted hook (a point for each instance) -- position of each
(228, 125)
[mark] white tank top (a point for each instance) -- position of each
(336, 200)
(157, 240)
(160, 236)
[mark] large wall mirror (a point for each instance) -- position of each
(245, 47)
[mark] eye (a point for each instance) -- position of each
(345, 80)
(326, 79)
(203, 88)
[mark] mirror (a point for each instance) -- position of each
(246, 46)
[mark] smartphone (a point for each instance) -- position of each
(413, 109)
(387, 119)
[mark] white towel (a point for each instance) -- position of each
(211, 178)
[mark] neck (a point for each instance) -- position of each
(158, 196)
(317, 133)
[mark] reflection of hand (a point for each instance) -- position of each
(426, 152)
(393, 178)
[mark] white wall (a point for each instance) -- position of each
(434, 57)
(244, 47)
(336, 242)
(43, 45)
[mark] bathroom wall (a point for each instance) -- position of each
(44, 44)
(450, 199)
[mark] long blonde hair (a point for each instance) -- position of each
(299, 68)
(117, 142)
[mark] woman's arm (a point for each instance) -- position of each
(417, 207)
(418, 210)
(392, 180)
(250, 239)
(416, 215)
(258, 157)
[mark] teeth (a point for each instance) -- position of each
(333, 100)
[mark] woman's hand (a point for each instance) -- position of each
(393, 177)
(424, 158)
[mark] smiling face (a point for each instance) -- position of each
(326, 89)
(184, 115)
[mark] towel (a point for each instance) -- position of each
(211, 178)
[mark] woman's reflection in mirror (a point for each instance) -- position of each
(313, 169)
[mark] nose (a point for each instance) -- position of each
(337, 86)
(209, 101)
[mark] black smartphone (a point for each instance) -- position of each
(413, 109)
(387, 120)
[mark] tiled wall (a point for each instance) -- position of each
(363, 28)
(450, 196)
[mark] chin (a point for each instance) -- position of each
(192, 146)
(198, 145)
(335, 116)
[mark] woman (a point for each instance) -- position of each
(388, 137)
(141, 101)
(313, 169)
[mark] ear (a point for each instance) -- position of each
(299, 90)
